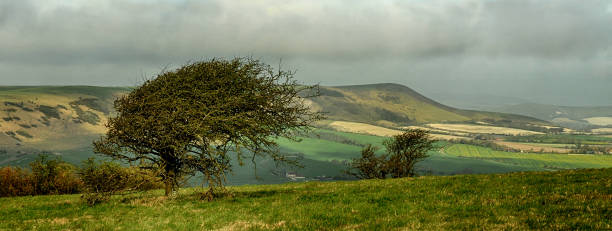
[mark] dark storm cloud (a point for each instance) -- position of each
(430, 45)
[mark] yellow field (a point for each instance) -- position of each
(601, 121)
(481, 129)
(363, 128)
(526, 147)
(602, 130)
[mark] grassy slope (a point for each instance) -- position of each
(67, 129)
(399, 104)
(574, 199)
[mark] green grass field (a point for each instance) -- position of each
(535, 161)
(323, 156)
(560, 200)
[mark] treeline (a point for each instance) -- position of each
(591, 149)
(559, 139)
(486, 144)
(334, 138)
(525, 126)
(97, 180)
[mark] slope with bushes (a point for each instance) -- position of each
(396, 105)
(562, 200)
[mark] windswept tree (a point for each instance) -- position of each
(403, 152)
(407, 149)
(368, 166)
(200, 116)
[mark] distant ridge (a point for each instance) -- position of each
(397, 105)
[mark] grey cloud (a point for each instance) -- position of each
(424, 44)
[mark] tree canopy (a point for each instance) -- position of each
(403, 152)
(189, 120)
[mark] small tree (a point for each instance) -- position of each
(190, 120)
(368, 166)
(405, 150)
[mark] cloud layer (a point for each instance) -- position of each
(430, 45)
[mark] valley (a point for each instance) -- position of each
(63, 121)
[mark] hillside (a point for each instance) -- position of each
(53, 118)
(395, 105)
(563, 200)
(59, 118)
(65, 120)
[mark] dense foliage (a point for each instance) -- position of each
(51, 176)
(403, 152)
(103, 179)
(189, 120)
(47, 176)
(407, 149)
(369, 166)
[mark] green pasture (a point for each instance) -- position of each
(560, 200)
(532, 160)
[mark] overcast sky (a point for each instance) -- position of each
(544, 51)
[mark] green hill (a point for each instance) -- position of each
(397, 105)
(562, 200)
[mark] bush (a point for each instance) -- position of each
(404, 151)
(54, 176)
(407, 149)
(15, 181)
(50, 112)
(103, 179)
(369, 166)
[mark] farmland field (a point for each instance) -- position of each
(470, 128)
(603, 131)
(363, 128)
(532, 160)
(324, 153)
(560, 200)
(535, 147)
(601, 121)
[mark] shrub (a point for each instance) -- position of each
(407, 149)
(24, 134)
(54, 176)
(368, 166)
(404, 151)
(86, 116)
(50, 112)
(103, 179)
(15, 181)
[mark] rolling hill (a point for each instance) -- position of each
(64, 120)
(66, 117)
(396, 105)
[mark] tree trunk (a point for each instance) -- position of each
(168, 187)
(169, 182)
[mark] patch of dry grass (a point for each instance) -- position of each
(482, 129)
